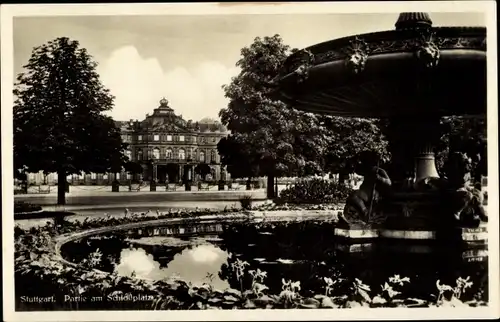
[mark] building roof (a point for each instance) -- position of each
(164, 119)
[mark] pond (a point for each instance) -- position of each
(304, 251)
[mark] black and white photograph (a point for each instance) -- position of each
(259, 159)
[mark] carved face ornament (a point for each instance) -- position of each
(303, 70)
(429, 54)
(357, 61)
(357, 55)
(427, 51)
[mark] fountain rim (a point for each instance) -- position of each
(338, 46)
(308, 66)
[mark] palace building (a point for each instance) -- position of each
(169, 149)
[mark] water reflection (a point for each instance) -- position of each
(197, 264)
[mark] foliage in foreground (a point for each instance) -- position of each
(38, 268)
(315, 191)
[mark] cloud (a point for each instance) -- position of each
(139, 83)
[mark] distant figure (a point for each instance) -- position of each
(361, 203)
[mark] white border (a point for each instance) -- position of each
(9, 11)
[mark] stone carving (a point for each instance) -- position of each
(307, 60)
(466, 201)
(476, 40)
(362, 205)
(357, 55)
(426, 50)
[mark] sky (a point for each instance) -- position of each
(187, 58)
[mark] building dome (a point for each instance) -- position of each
(413, 20)
(164, 102)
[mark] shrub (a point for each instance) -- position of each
(314, 191)
(246, 202)
(21, 207)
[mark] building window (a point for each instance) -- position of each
(213, 139)
(202, 156)
(169, 138)
(156, 137)
(156, 153)
(194, 139)
(93, 176)
(129, 176)
(139, 138)
(182, 154)
(128, 154)
(139, 155)
(169, 153)
(117, 176)
(181, 138)
(105, 176)
(202, 139)
(81, 176)
(212, 156)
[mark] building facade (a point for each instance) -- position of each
(169, 149)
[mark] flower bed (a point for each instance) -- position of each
(315, 191)
(38, 269)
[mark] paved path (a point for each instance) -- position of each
(128, 198)
(103, 210)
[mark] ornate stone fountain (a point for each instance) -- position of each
(411, 77)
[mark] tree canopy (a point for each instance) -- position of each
(467, 135)
(59, 125)
(267, 137)
(347, 138)
(270, 138)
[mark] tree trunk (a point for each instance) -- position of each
(61, 187)
(270, 186)
(342, 177)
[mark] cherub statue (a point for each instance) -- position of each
(361, 204)
(466, 201)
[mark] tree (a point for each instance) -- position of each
(58, 121)
(467, 135)
(347, 138)
(237, 156)
(270, 138)
(133, 168)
